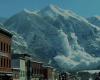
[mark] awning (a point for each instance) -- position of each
(6, 74)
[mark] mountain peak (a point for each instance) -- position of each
(56, 9)
(52, 11)
(53, 7)
(97, 17)
(28, 11)
(94, 18)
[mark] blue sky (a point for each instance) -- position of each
(81, 7)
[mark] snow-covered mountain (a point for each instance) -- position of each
(94, 20)
(58, 36)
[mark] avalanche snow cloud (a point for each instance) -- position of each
(75, 58)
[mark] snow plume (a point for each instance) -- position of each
(77, 58)
(65, 43)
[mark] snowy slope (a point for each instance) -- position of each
(19, 44)
(59, 36)
(94, 20)
(71, 22)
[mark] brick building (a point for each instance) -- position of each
(36, 70)
(5, 55)
(48, 73)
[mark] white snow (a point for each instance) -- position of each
(28, 11)
(54, 11)
(75, 57)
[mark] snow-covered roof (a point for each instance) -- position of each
(91, 71)
(4, 31)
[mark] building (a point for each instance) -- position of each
(48, 73)
(21, 66)
(88, 74)
(5, 55)
(36, 70)
(16, 74)
(64, 76)
(25, 68)
(56, 75)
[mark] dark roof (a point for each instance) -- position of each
(47, 66)
(17, 56)
(37, 59)
(30, 57)
(6, 32)
(34, 61)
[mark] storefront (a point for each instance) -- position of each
(5, 76)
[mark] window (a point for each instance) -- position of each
(9, 48)
(1, 62)
(4, 62)
(1, 46)
(9, 63)
(4, 47)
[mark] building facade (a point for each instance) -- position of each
(21, 67)
(36, 70)
(26, 68)
(16, 73)
(48, 73)
(64, 76)
(56, 75)
(5, 55)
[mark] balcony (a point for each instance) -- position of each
(3, 69)
(4, 54)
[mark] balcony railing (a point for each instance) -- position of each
(4, 54)
(2, 69)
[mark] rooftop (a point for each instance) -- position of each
(4, 31)
(26, 56)
(17, 56)
(48, 67)
(91, 71)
